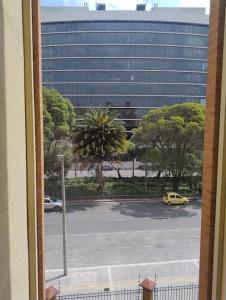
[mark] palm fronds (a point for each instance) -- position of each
(99, 134)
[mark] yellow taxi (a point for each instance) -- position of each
(174, 198)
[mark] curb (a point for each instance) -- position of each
(153, 200)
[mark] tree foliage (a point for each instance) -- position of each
(174, 138)
(99, 136)
(59, 121)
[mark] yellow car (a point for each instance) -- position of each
(174, 198)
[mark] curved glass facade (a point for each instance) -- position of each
(130, 65)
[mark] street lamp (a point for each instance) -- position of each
(61, 157)
(145, 147)
(146, 169)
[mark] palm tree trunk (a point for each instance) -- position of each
(99, 174)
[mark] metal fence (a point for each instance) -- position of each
(188, 292)
(135, 294)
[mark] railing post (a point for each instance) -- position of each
(51, 293)
(148, 289)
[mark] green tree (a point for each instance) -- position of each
(99, 136)
(116, 160)
(173, 136)
(59, 122)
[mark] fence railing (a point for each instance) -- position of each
(185, 292)
(188, 292)
(135, 294)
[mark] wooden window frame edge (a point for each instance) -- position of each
(219, 260)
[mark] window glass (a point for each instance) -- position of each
(124, 64)
(129, 89)
(126, 25)
(132, 67)
(135, 100)
(124, 76)
(123, 51)
(124, 38)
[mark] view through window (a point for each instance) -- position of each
(124, 106)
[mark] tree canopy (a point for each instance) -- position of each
(99, 136)
(59, 116)
(173, 136)
(59, 122)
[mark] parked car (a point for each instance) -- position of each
(53, 204)
(107, 168)
(174, 198)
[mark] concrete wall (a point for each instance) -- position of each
(14, 263)
(184, 15)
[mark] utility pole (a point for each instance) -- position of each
(64, 216)
(133, 166)
(146, 169)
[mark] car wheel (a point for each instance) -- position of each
(57, 208)
(185, 202)
(169, 203)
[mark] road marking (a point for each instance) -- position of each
(170, 262)
(81, 283)
(110, 279)
(125, 232)
(113, 201)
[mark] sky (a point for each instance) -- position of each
(129, 4)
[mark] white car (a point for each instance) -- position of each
(53, 204)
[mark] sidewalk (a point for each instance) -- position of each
(117, 277)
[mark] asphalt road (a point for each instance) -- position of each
(126, 171)
(112, 244)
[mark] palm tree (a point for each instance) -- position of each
(98, 136)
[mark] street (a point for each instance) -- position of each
(112, 244)
(126, 170)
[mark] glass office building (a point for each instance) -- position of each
(130, 60)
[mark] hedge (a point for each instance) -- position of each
(87, 187)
